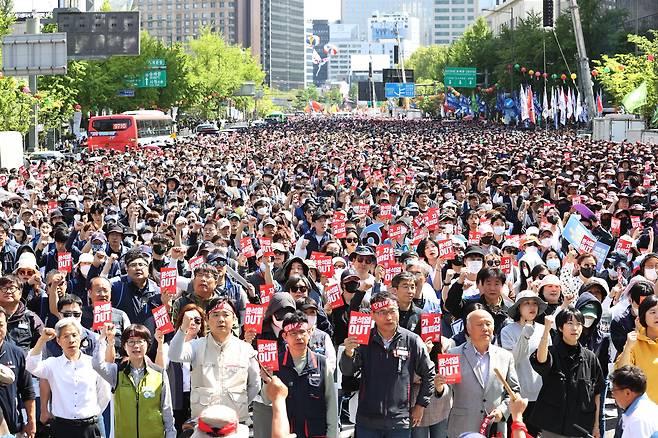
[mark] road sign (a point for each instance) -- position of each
(149, 79)
(34, 54)
(94, 35)
(126, 93)
(156, 63)
(461, 77)
(396, 90)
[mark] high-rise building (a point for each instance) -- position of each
(282, 43)
(508, 13)
(247, 25)
(452, 17)
(642, 14)
(358, 11)
(179, 21)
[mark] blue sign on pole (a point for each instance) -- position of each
(396, 90)
(126, 93)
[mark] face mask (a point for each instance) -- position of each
(146, 237)
(351, 287)
(553, 264)
(448, 228)
(473, 266)
(612, 273)
(487, 240)
(487, 207)
(159, 249)
(531, 250)
(76, 217)
(650, 274)
(312, 319)
(590, 177)
(109, 186)
(586, 272)
(84, 270)
(499, 230)
(546, 243)
(276, 325)
(261, 211)
(449, 196)
(128, 240)
(589, 322)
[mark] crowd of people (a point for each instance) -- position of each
(319, 274)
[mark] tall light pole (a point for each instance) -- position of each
(583, 61)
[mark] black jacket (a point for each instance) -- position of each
(572, 378)
(14, 358)
(24, 327)
(386, 378)
(620, 327)
(593, 338)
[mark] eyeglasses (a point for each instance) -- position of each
(493, 262)
(137, 265)
(133, 342)
(366, 260)
(26, 272)
(9, 288)
(510, 251)
(351, 240)
(298, 289)
(71, 314)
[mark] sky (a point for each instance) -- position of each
(322, 10)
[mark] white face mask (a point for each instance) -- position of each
(487, 207)
(531, 250)
(84, 270)
(448, 228)
(589, 322)
(312, 320)
(146, 237)
(553, 264)
(474, 266)
(650, 274)
(546, 243)
(262, 211)
(499, 230)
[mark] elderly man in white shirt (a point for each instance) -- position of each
(79, 394)
(640, 418)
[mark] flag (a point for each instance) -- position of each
(563, 107)
(599, 103)
(569, 98)
(636, 98)
(545, 112)
(523, 101)
(654, 118)
(579, 107)
(531, 106)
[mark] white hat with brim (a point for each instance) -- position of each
(526, 295)
(27, 260)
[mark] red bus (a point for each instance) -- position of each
(129, 130)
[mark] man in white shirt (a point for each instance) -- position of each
(79, 394)
(640, 417)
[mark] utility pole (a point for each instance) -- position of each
(583, 62)
(33, 27)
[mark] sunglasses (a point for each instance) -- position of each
(541, 276)
(71, 314)
(493, 262)
(351, 239)
(26, 272)
(366, 260)
(298, 289)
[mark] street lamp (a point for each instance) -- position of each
(511, 15)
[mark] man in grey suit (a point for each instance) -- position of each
(480, 394)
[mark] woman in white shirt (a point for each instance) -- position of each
(522, 338)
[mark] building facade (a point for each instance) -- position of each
(642, 14)
(451, 18)
(508, 13)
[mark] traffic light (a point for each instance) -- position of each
(548, 13)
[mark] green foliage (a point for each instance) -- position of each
(304, 96)
(620, 74)
(58, 95)
(333, 97)
(15, 106)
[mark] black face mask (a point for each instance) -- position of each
(587, 271)
(351, 287)
(159, 249)
(487, 240)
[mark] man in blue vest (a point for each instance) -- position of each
(311, 404)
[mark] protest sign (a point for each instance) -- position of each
(359, 327)
(449, 367)
(64, 262)
(253, 317)
(162, 320)
(102, 314)
(430, 327)
(268, 354)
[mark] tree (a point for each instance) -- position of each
(429, 62)
(620, 74)
(333, 97)
(305, 95)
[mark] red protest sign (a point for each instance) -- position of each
(419, 234)
(338, 229)
(268, 355)
(635, 221)
(449, 367)
(253, 317)
(385, 255)
(334, 296)
(266, 246)
(385, 211)
(162, 320)
(52, 205)
(246, 247)
(391, 271)
(339, 216)
(587, 244)
(102, 314)
(506, 264)
(446, 250)
(195, 262)
(430, 327)
(64, 262)
(419, 221)
(615, 226)
(168, 278)
(624, 246)
(323, 263)
(396, 231)
(646, 182)
(266, 292)
(474, 237)
(3, 180)
(431, 218)
(359, 327)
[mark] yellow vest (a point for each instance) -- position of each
(137, 410)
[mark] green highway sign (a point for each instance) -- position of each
(459, 77)
(149, 79)
(156, 63)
